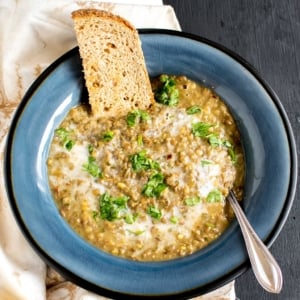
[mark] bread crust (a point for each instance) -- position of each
(90, 12)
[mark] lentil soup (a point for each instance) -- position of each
(150, 185)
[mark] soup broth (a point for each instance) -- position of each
(150, 185)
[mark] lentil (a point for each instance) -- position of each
(189, 167)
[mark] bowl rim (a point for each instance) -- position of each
(189, 293)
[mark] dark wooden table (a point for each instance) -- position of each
(267, 34)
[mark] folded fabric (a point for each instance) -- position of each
(33, 34)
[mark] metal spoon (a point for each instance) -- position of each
(264, 265)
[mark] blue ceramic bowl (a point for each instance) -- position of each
(270, 172)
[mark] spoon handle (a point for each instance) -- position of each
(264, 266)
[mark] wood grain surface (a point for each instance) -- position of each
(267, 34)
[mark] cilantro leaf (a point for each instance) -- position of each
(232, 154)
(201, 129)
(174, 219)
(136, 232)
(227, 144)
(69, 144)
(140, 161)
(193, 110)
(92, 168)
(205, 162)
(154, 212)
(167, 93)
(64, 136)
(214, 196)
(140, 140)
(192, 201)
(130, 218)
(231, 151)
(111, 208)
(108, 136)
(62, 133)
(136, 116)
(154, 186)
(214, 140)
(90, 149)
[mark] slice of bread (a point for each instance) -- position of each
(113, 63)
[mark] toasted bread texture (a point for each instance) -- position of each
(113, 63)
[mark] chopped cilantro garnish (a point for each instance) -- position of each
(231, 151)
(174, 220)
(130, 218)
(112, 208)
(62, 133)
(92, 168)
(136, 116)
(90, 149)
(192, 201)
(193, 110)
(154, 212)
(227, 144)
(214, 140)
(232, 154)
(131, 119)
(154, 186)
(95, 214)
(201, 129)
(69, 145)
(107, 136)
(205, 162)
(210, 225)
(214, 196)
(136, 232)
(140, 161)
(167, 93)
(64, 136)
(140, 140)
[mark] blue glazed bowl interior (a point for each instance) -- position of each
(267, 146)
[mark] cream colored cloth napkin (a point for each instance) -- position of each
(33, 33)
